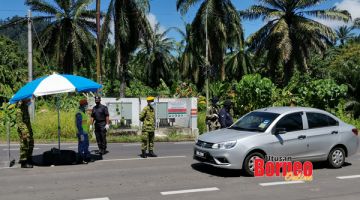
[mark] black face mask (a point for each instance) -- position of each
(97, 103)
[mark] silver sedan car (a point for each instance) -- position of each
(303, 134)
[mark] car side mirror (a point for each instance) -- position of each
(279, 131)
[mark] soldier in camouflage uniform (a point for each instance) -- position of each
(25, 134)
(212, 118)
(147, 116)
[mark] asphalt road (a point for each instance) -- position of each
(121, 174)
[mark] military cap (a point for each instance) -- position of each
(150, 98)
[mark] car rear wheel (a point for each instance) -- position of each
(249, 163)
(336, 157)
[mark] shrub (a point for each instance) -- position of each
(325, 93)
(201, 122)
(137, 89)
(253, 92)
(201, 103)
(304, 91)
(346, 117)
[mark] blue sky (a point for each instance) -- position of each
(164, 12)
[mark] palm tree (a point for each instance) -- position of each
(157, 59)
(68, 36)
(130, 25)
(223, 28)
(191, 63)
(344, 33)
(238, 63)
(288, 35)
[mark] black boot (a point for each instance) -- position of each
(143, 154)
(30, 160)
(25, 164)
(151, 154)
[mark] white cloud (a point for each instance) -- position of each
(352, 6)
(153, 21)
(331, 23)
(151, 18)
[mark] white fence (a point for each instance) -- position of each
(169, 112)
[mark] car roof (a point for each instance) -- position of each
(281, 110)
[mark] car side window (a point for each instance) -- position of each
(317, 120)
(291, 122)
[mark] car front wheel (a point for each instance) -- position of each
(249, 163)
(336, 157)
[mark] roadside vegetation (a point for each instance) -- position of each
(291, 61)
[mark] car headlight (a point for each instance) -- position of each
(224, 145)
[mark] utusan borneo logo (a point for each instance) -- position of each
(283, 167)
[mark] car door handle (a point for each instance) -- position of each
(301, 137)
(334, 132)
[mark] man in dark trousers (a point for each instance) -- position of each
(100, 115)
(224, 115)
(82, 124)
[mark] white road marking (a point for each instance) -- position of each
(149, 158)
(189, 191)
(348, 177)
(17, 149)
(188, 142)
(280, 183)
(14, 167)
(102, 198)
(75, 147)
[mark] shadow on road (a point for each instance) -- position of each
(324, 165)
(213, 171)
(65, 157)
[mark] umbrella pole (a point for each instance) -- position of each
(58, 111)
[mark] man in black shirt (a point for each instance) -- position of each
(100, 115)
(225, 118)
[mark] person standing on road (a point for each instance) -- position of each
(224, 116)
(82, 125)
(25, 134)
(212, 119)
(100, 115)
(147, 116)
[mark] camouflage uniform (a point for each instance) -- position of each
(212, 119)
(25, 133)
(147, 116)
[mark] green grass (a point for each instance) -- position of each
(45, 125)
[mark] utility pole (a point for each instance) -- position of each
(207, 65)
(98, 55)
(30, 67)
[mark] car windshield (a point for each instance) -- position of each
(255, 121)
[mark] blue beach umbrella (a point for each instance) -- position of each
(55, 84)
